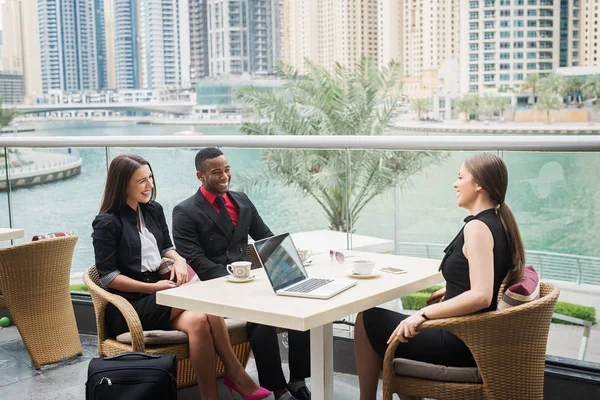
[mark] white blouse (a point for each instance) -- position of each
(150, 253)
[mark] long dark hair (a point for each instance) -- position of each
(489, 171)
(120, 171)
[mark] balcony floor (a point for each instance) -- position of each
(66, 380)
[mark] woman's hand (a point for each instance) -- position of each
(162, 285)
(407, 328)
(179, 270)
(437, 296)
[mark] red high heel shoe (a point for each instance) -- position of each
(259, 394)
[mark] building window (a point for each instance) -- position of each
(504, 35)
(489, 35)
(518, 45)
(474, 15)
(505, 13)
(489, 46)
(518, 23)
(474, 57)
(504, 77)
(505, 45)
(489, 77)
(489, 56)
(473, 78)
(531, 34)
(474, 46)
(531, 13)
(518, 34)
(531, 55)
(473, 36)
(474, 26)
(531, 2)
(473, 88)
(490, 3)
(518, 66)
(519, 13)
(519, 2)
(489, 67)
(489, 14)
(473, 4)
(505, 2)
(504, 56)
(473, 68)
(489, 25)
(518, 56)
(531, 24)
(531, 65)
(504, 24)
(504, 67)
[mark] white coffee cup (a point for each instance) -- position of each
(363, 267)
(239, 269)
(304, 254)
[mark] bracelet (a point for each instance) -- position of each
(425, 317)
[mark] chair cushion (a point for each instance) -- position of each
(51, 235)
(522, 292)
(174, 336)
(419, 369)
(157, 337)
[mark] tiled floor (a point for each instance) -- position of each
(66, 380)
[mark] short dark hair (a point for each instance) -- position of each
(120, 171)
(206, 154)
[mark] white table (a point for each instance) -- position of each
(256, 302)
(11, 234)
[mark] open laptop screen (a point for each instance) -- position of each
(281, 261)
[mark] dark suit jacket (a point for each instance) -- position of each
(203, 240)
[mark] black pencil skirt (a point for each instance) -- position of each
(152, 316)
(434, 346)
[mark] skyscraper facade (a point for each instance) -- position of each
(21, 49)
(72, 54)
(199, 52)
(586, 13)
(164, 43)
(127, 67)
(265, 35)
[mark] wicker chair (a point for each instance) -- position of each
(509, 347)
(109, 346)
(35, 279)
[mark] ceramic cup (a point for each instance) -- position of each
(363, 267)
(239, 269)
(304, 254)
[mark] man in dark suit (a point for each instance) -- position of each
(211, 230)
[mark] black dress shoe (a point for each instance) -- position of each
(301, 394)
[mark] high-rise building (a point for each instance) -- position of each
(21, 49)
(72, 53)
(265, 35)
(390, 28)
(330, 31)
(199, 52)
(586, 12)
(506, 40)
(126, 52)
(109, 29)
(12, 89)
(164, 43)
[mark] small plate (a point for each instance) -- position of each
(237, 280)
(353, 275)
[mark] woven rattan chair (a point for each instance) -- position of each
(109, 346)
(509, 347)
(35, 279)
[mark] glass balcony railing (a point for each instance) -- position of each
(409, 209)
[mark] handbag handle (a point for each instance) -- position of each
(132, 353)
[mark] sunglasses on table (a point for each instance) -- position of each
(338, 256)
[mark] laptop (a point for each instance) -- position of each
(283, 266)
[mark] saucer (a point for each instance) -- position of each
(353, 275)
(237, 280)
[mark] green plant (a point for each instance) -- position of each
(585, 313)
(79, 288)
(6, 115)
(469, 104)
(420, 106)
(591, 89)
(531, 82)
(555, 84)
(351, 102)
(416, 301)
(548, 101)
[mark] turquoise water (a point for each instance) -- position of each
(555, 196)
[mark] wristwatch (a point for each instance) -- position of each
(422, 314)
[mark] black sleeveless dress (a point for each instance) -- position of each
(437, 346)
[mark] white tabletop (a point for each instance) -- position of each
(9, 234)
(255, 301)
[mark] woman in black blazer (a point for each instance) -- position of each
(130, 237)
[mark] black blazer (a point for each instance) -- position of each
(117, 245)
(203, 240)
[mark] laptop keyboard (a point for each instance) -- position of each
(308, 285)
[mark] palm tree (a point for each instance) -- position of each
(549, 101)
(488, 105)
(469, 105)
(531, 82)
(553, 83)
(360, 101)
(420, 106)
(6, 115)
(591, 89)
(573, 88)
(501, 104)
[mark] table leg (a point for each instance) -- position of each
(321, 362)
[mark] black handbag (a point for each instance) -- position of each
(132, 376)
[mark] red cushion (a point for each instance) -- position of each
(51, 235)
(522, 292)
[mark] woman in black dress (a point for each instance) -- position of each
(130, 238)
(486, 252)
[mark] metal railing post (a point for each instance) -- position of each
(578, 271)
(9, 191)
